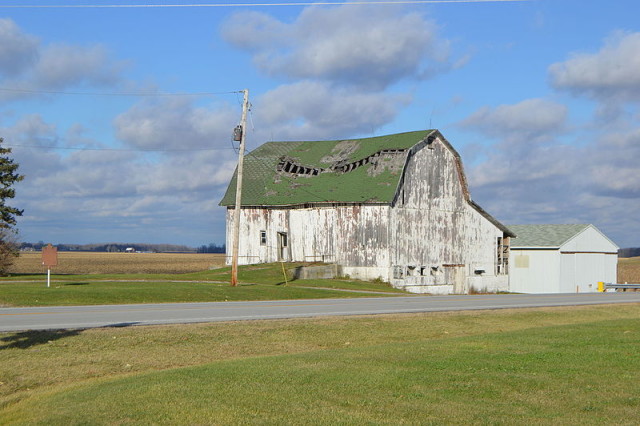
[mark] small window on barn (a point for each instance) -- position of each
(263, 238)
(398, 272)
(283, 238)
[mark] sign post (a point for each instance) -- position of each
(49, 259)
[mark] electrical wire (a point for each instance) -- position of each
(127, 94)
(304, 3)
(114, 149)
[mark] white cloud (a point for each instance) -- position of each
(17, 50)
(522, 179)
(61, 66)
(314, 110)
(362, 46)
(75, 194)
(176, 124)
(614, 169)
(29, 66)
(613, 73)
(31, 129)
(527, 121)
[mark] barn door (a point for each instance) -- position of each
(283, 247)
(456, 275)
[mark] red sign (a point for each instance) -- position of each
(50, 255)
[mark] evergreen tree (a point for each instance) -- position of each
(8, 177)
(8, 240)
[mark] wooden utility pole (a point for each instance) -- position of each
(236, 212)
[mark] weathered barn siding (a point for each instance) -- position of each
(439, 240)
(352, 235)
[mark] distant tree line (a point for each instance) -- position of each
(629, 252)
(211, 248)
(115, 247)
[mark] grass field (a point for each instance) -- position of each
(257, 282)
(629, 270)
(121, 263)
(115, 278)
(174, 263)
(539, 366)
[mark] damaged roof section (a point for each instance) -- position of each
(344, 171)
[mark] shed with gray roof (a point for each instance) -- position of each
(565, 258)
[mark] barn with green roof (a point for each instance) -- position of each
(394, 207)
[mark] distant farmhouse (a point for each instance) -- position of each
(561, 259)
(394, 207)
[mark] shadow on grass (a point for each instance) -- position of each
(65, 284)
(121, 325)
(27, 339)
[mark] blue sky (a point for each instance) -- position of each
(539, 97)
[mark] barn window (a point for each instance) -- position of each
(398, 272)
(263, 238)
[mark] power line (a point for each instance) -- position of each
(320, 3)
(130, 94)
(115, 149)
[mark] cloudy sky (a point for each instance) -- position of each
(121, 118)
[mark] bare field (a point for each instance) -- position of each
(126, 263)
(629, 270)
(114, 263)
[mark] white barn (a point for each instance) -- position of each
(394, 207)
(561, 259)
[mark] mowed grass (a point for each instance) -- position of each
(540, 366)
(629, 270)
(110, 293)
(257, 282)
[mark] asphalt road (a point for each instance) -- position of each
(64, 317)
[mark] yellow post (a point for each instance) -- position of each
(284, 273)
(600, 286)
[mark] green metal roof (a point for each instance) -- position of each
(548, 236)
(340, 171)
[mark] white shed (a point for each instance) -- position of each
(561, 259)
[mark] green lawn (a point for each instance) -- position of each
(263, 282)
(539, 366)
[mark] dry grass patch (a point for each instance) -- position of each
(118, 263)
(629, 270)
